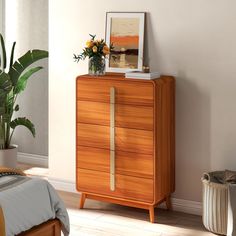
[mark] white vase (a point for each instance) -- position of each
(8, 157)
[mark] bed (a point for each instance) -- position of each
(30, 206)
(49, 228)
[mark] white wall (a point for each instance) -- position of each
(1, 16)
(27, 24)
(194, 40)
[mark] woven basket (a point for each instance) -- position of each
(215, 206)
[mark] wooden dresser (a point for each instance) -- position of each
(125, 140)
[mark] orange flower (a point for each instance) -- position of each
(89, 43)
(95, 49)
(105, 49)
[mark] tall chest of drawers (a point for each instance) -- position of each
(125, 140)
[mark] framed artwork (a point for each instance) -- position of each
(125, 31)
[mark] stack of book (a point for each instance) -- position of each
(142, 75)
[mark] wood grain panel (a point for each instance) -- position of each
(134, 164)
(127, 187)
(165, 137)
(127, 163)
(133, 140)
(93, 158)
(136, 117)
(127, 116)
(120, 201)
(49, 228)
(130, 92)
(129, 140)
(93, 112)
(93, 135)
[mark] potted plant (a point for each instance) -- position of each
(12, 83)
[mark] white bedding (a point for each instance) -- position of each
(28, 202)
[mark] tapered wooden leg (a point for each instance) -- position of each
(82, 200)
(168, 203)
(151, 214)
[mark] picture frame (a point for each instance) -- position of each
(125, 31)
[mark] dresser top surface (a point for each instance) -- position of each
(120, 77)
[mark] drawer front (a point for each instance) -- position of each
(134, 164)
(98, 90)
(129, 140)
(133, 140)
(134, 117)
(126, 163)
(93, 135)
(93, 112)
(93, 158)
(126, 116)
(128, 187)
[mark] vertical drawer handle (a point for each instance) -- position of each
(112, 139)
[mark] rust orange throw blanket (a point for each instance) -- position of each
(6, 171)
(10, 171)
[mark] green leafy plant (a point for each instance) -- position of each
(12, 83)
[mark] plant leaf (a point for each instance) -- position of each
(92, 36)
(5, 82)
(2, 111)
(12, 54)
(5, 118)
(5, 86)
(1, 136)
(24, 122)
(9, 102)
(17, 108)
(3, 61)
(22, 81)
(23, 62)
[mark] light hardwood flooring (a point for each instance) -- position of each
(104, 219)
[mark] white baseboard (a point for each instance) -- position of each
(63, 185)
(190, 207)
(33, 159)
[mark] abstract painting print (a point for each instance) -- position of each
(125, 33)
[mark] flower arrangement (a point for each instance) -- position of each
(96, 51)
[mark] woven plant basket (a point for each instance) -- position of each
(215, 205)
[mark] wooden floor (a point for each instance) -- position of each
(104, 219)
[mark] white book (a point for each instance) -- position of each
(142, 75)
